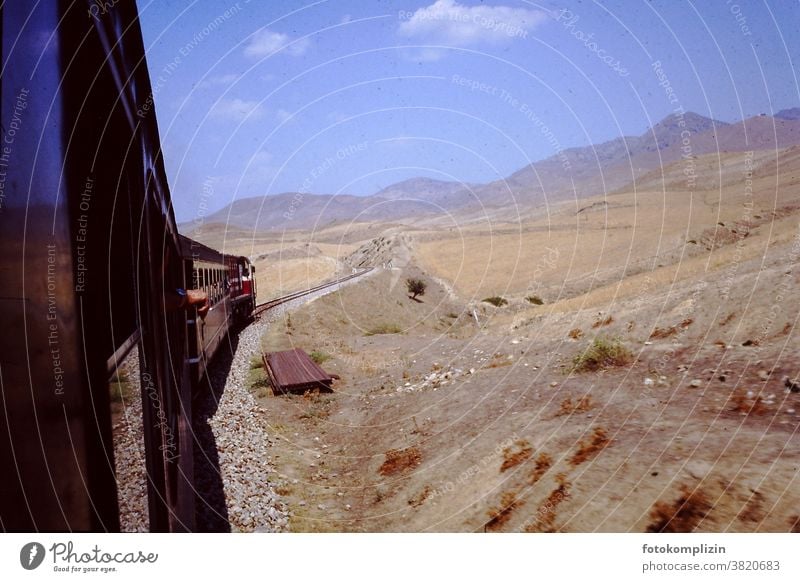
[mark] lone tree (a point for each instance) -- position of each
(416, 287)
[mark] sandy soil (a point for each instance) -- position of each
(454, 415)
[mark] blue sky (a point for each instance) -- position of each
(344, 96)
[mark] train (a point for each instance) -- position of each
(89, 255)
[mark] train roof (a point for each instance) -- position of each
(191, 249)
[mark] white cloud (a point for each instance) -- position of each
(451, 23)
(223, 80)
(237, 110)
(266, 42)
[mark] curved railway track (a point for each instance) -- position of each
(262, 307)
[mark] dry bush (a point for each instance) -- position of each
(546, 513)
(575, 333)
(603, 353)
(590, 447)
(543, 464)
(662, 332)
(583, 404)
(602, 321)
(728, 318)
(682, 515)
(420, 497)
(514, 455)
(384, 329)
(498, 361)
(498, 516)
(497, 301)
(748, 406)
(717, 237)
(398, 460)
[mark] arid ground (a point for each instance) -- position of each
(638, 373)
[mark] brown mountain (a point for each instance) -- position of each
(572, 173)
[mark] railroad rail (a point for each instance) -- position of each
(262, 307)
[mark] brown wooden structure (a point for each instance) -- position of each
(294, 371)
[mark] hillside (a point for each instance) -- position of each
(573, 173)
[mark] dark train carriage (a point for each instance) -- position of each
(88, 252)
(225, 279)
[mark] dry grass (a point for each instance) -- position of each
(496, 300)
(588, 448)
(576, 333)
(682, 515)
(747, 405)
(420, 497)
(519, 452)
(498, 516)
(602, 321)
(498, 361)
(546, 513)
(660, 333)
(582, 404)
(399, 460)
(603, 353)
(384, 328)
(542, 465)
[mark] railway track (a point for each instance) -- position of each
(262, 307)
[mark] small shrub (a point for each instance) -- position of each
(682, 515)
(583, 404)
(497, 301)
(747, 405)
(602, 321)
(516, 454)
(545, 516)
(498, 516)
(603, 353)
(589, 448)
(542, 465)
(420, 497)
(319, 357)
(663, 332)
(416, 287)
(498, 361)
(576, 333)
(535, 299)
(256, 363)
(384, 328)
(398, 460)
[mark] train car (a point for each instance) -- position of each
(89, 252)
(228, 283)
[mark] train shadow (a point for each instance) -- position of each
(211, 508)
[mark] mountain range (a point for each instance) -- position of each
(571, 173)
